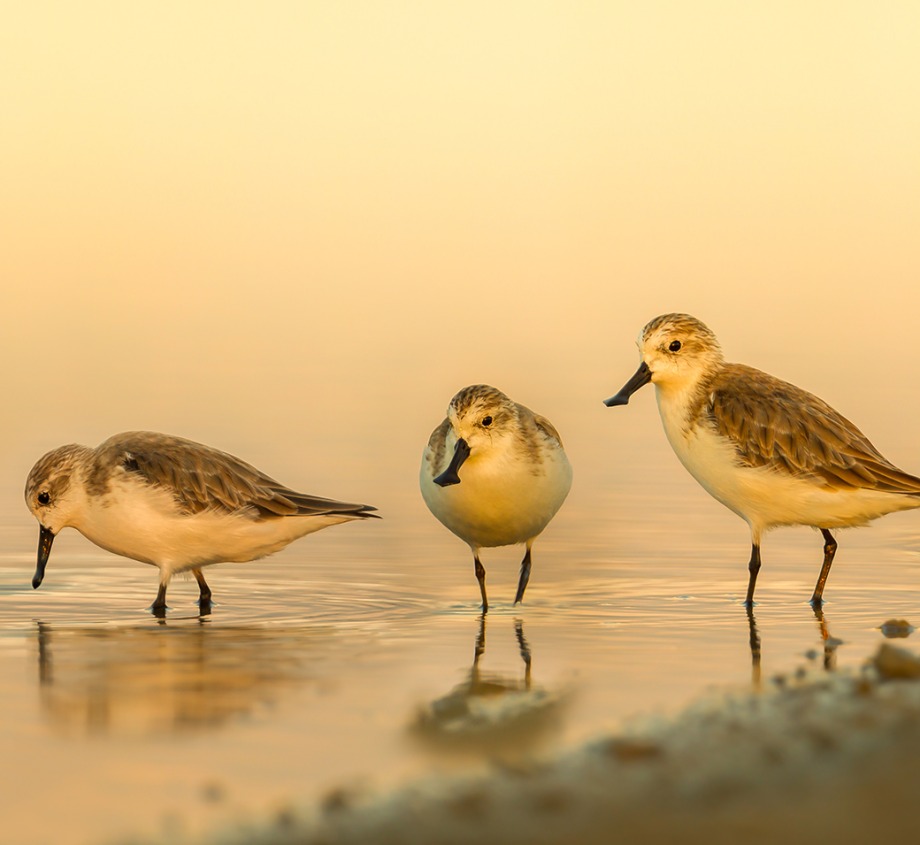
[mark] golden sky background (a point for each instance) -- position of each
(295, 229)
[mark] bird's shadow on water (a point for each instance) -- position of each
(491, 711)
(172, 676)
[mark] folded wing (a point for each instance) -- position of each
(777, 425)
(201, 478)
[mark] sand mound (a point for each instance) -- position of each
(830, 757)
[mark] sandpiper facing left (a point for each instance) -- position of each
(173, 503)
(494, 473)
(766, 449)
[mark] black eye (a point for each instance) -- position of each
(675, 346)
(486, 422)
(44, 498)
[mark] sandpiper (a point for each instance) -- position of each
(173, 503)
(494, 473)
(766, 449)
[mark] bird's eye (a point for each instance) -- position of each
(674, 346)
(486, 422)
(44, 498)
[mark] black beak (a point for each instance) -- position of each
(449, 476)
(45, 539)
(642, 377)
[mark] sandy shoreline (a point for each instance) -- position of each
(823, 757)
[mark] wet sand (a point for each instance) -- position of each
(813, 757)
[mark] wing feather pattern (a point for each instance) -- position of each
(775, 424)
(201, 478)
(547, 428)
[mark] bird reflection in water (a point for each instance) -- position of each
(169, 678)
(491, 710)
(755, 645)
(829, 643)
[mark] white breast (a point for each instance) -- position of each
(499, 500)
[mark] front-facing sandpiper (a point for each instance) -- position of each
(766, 449)
(173, 503)
(494, 473)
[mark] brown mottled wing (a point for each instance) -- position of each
(437, 445)
(547, 428)
(201, 478)
(775, 424)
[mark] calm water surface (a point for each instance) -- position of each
(348, 659)
(294, 236)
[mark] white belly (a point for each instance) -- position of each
(499, 503)
(766, 498)
(143, 524)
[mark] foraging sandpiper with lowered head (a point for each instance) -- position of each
(173, 503)
(766, 449)
(494, 473)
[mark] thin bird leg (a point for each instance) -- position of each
(158, 608)
(830, 549)
(525, 576)
(204, 595)
(481, 577)
(753, 569)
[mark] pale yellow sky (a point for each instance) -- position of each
(320, 220)
(295, 229)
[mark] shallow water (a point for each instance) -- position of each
(347, 661)
(294, 236)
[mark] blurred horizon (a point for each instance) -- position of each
(293, 230)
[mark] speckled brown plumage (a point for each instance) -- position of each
(494, 473)
(761, 415)
(771, 452)
(202, 478)
(172, 503)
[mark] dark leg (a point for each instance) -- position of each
(830, 549)
(753, 569)
(204, 595)
(481, 577)
(525, 576)
(158, 608)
